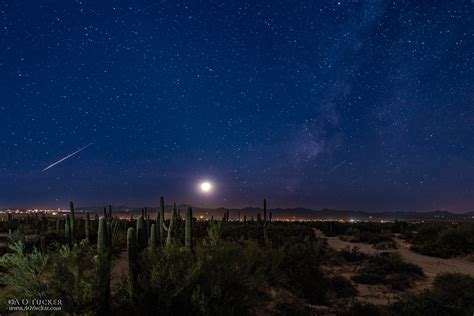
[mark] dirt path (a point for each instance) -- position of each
(431, 265)
(119, 272)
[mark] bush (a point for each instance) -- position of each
(445, 240)
(73, 278)
(389, 269)
(363, 309)
(219, 278)
(452, 294)
(301, 267)
(341, 287)
(25, 273)
(353, 254)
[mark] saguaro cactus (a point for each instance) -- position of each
(188, 229)
(109, 236)
(161, 220)
(103, 266)
(170, 228)
(152, 243)
(67, 229)
(71, 219)
(264, 210)
(147, 223)
(102, 236)
(265, 224)
(87, 226)
(133, 252)
(142, 237)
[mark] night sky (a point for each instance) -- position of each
(365, 105)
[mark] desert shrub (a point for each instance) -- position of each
(444, 240)
(278, 233)
(218, 278)
(25, 273)
(231, 276)
(385, 245)
(73, 278)
(301, 267)
(353, 254)
(341, 287)
(400, 227)
(363, 309)
(283, 233)
(389, 269)
(65, 273)
(166, 276)
(283, 303)
(451, 294)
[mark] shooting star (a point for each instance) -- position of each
(68, 156)
(337, 166)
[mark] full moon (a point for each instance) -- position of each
(206, 187)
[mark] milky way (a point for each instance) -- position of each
(262, 98)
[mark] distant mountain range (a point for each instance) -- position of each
(296, 213)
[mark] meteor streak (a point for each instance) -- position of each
(337, 166)
(68, 156)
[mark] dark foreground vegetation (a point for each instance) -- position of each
(176, 265)
(444, 240)
(438, 239)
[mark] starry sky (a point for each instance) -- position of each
(360, 104)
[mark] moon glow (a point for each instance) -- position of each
(205, 187)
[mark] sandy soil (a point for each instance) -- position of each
(378, 294)
(431, 265)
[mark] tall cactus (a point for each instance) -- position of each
(87, 227)
(161, 220)
(170, 228)
(133, 267)
(103, 266)
(71, 219)
(102, 236)
(36, 222)
(67, 229)
(265, 235)
(109, 236)
(152, 243)
(245, 226)
(264, 210)
(214, 232)
(147, 224)
(188, 229)
(58, 226)
(142, 237)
